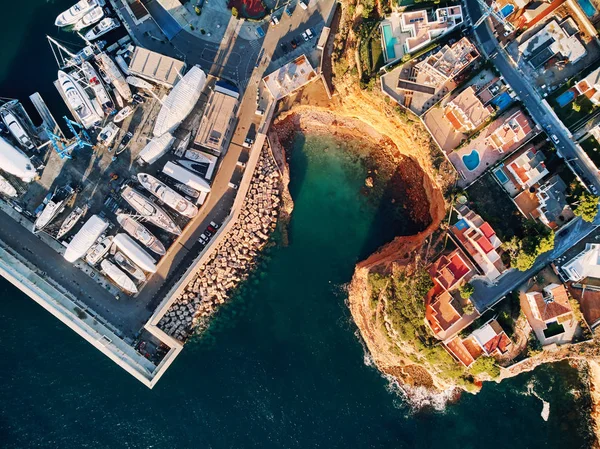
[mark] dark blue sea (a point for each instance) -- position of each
(282, 365)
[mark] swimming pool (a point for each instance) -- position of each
(502, 100)
(471, 160)
(389, 42)
(587, 7)
(565, 98)
(508, 9)
(501, 176)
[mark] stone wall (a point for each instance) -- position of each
(235, 256)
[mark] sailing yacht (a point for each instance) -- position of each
(107, 24)
(90, 18)
(95, 83)
(167, 195)
(78, 99)
(115, 76)
(51, 210)
(149, 210)
(72, 15)
(139, 232)
(71, 221)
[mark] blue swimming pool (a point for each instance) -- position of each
(507, 10)
(471, 160)
(502, 100)
(587, 7)
(389, 42)
(501, 176)
(461, 225)
(565, 98)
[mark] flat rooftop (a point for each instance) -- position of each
(290, 77)
(156, 67)
(218, 117)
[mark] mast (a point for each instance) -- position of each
(60, 59)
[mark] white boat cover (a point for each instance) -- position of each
(117, 275)
(15, 162)
(180, 101)
(156, 148)
(85, 238)
(135, 252)
(186, 177)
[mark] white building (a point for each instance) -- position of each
(585, 264)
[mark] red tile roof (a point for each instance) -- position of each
(484, 243)
(448, 270)
(487, 230)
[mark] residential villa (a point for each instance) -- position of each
(489, 340)
(480, 241)
(590, 87)
(585, 265)
(499, 139)
(550, 314)
(553, 40)
(528, 168)
(546, 202)
(423, 30)
(466, 111)
(442, 308)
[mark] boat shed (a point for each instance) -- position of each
(217, 122)
(156, 148)
(180, 101)
(156, 67)
(85, 238)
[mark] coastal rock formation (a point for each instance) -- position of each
(234, 257)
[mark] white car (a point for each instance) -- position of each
(305, 36)
(554, 139)
(303, 5)
(274, 20)
(259, 112)
(309, 33)
(248, 142)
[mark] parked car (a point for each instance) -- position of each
(260, 32)
(211, 229)
(303, 5)
(293, 43)
(215, 225)
(259, 112)
(248, 142)
(274, 20)
(305, 36)
(208, 233)
(309, 33)
(593, 189)
(233, 186)
(203, 239)
(555, 139)
(288, 11)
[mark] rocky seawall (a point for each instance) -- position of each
(233, 259)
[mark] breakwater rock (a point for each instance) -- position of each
(234, 257)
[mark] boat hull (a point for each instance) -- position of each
(150, 211)
(167, 195)
(139, 232)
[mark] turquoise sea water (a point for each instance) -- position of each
(281, 367)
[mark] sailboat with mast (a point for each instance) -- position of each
(113, 73)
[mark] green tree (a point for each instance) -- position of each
(587, 207)
(523, 252)
(486, 365)
(576, 106)
(466, 290)
(234, 12)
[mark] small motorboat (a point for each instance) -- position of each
(95, 15)
(17, 129)
(108, 134)
(107, 24)
(6, 188)
(124, 143)
(123, 114)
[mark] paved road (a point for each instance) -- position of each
(126, 314)
(486, 295)
(532, 100)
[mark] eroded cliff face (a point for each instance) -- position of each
(407, 147)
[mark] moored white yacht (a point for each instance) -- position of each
(104, 26)
(95, 83)
(167, 195)
(98, 250)
(90, 18)
(118, 276)
(51, 210)
(150, 211)
(129, 266)
(16, 129)
(78, 99)
(6, 188)
(123, 114)
(139, 83)
(139, 232)
(72, 15)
